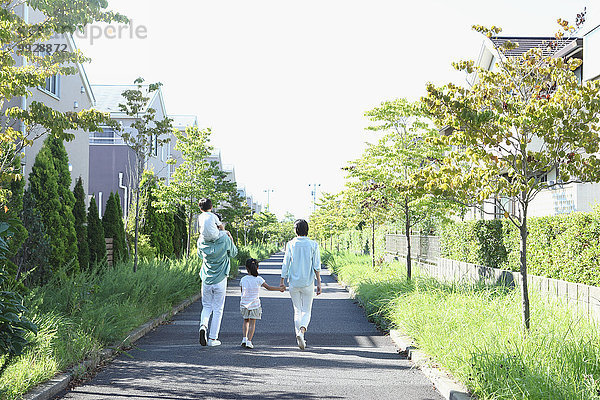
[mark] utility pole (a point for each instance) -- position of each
(313, 193)
(268, 191)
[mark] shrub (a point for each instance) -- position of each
(565, 247)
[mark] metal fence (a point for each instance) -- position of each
(425, 250)
(422, 248)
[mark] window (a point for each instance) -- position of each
(53, 85)
(107, 136)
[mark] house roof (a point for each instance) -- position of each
(541, 42)
(183, 121)
(108, 97)
(82, 74)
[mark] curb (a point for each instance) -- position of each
(443, 381)
(51, 388)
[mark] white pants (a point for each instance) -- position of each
(302, 299)
(213, 302)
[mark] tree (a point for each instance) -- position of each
(95, 231)
(516, 124)
(386, 169)
(193, 178)
(13, 323)
(180, 232)
(158, 226)
(81, 225)
(265, 225)
(331, 217)
(33, 257)
(22, 69)
(49, 182)
(122, 238)
(12, 211)
(148, 135)
(113, 228)
(368, 200)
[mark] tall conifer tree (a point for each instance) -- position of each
(81, 225)
(113, 228)
(49, 181)
(95, 233)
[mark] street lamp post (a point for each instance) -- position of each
(313, 193)
(268, 191)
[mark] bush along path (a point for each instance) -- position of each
(346, 357)
(79, 316)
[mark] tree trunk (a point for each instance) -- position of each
(524, 289)
(408, 247)
(373, 241)
(137, 217)
(190, 216)
(189, 235)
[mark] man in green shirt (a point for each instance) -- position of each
(215, 269)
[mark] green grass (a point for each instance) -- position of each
(475, 332)
(79, 316)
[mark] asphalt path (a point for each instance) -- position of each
(346, 356)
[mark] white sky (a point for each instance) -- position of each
(284, 84)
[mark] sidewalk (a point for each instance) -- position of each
(346, 357)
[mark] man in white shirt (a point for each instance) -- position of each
(301, 266)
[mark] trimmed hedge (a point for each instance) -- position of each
(565, 247)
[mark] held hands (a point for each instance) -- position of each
(282, 287)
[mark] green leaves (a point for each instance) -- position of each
(13, 325)
(520, 120)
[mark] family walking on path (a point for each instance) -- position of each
(348, 358)
(301, 267)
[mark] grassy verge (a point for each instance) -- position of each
(78, 316)
(475, 332)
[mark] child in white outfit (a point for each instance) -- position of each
(211, 228)
(250, 307)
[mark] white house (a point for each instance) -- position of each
(63, 93)
(560, 199)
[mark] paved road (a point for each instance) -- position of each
(346, 357)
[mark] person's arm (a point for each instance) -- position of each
(273, 288)
(318, 274)
(233, 251)
(317, 267)
(285, 267)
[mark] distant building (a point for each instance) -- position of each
(111, 161)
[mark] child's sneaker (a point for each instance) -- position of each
(249, 344)
(244, 342)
